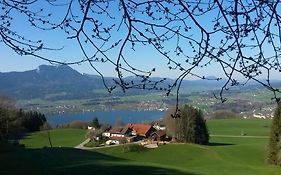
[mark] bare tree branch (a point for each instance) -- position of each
(240, 38)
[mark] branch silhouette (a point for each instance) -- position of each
(242, 38)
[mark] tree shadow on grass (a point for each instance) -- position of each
(220, 144)
(128, 169)
(70, 161)
(23, 136)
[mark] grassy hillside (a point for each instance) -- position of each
(59, 138)
(226, 155)
(220, 159)
(251, 127)
(74, 162)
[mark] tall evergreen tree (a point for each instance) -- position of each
(189, 127)
(95, 123)
(274, 148)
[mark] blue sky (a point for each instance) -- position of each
(145, 57)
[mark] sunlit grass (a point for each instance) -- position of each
(224, 156)
(59, 138)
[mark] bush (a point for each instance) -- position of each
(133, 148)
(123, 141)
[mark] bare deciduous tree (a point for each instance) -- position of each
(241, 38)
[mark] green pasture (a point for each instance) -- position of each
(225, 155)
(248, 127)
(221, 158)
(59, 138)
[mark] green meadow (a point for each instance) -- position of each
(250, 127)
(226, 154)
(59, 138)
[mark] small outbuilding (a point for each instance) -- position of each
(159, 135)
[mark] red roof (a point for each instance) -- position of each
(119, 130)
(140, 129)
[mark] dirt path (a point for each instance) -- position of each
(81, 145)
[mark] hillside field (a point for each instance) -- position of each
(226, 155)
(250, 127)
(59, 138)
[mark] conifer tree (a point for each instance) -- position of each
(189, 127)
(95, 123)
(274, 148)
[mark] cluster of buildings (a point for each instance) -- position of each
(133, 132)
(263, 113)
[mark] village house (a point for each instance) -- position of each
(159, 135)
(119, 131)
(159, 126)
(105, 130)
(143, 130)
(97, 133)
(118, 135)
(106, 134)
(133, 132)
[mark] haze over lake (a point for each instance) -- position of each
(109, 117)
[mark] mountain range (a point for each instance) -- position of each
(53, 82)
(63, 83)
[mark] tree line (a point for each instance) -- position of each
(188, 127)
(14, 122)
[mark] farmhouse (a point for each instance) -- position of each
(120, 132)
(143, 130)
(105, 130)
(131, 133)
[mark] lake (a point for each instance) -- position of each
(109, 117)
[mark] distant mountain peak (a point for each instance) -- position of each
(55, 68)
